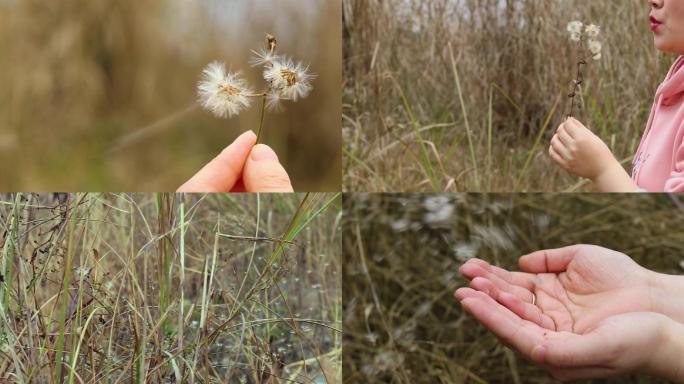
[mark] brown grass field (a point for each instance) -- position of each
(167, 288)
(464, 95)
(401, 255)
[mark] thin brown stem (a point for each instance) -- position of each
(261, 119)
(577, 84)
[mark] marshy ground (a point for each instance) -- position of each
(170, 288)
(401, 255)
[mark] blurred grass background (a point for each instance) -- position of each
(78, 76)
(401, 255)
(408, 126)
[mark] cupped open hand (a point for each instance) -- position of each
(575, 287)
(581, 311)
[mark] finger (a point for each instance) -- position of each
(463, 293)
(476, 267)
(548, 261)
(221, 173)
(526, 311)
(494, 286)
(557, 157)
(573, 126)
(564, 137)
(570, 350)
(565, 127)
(511, 329)
(264, 173)
(560, 148)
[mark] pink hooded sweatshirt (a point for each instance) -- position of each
(659, 162)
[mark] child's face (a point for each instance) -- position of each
(667, 24)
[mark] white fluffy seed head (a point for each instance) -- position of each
(592, 31)
(223, 93)
(290, 81)
(575, 29)
(586, 33)
(594, 47)
(262, 57)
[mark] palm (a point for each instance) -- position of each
(592, 288)
(588, 286)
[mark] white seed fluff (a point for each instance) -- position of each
(592, 31)
(262, 57)
(291, 81)
(575, 28)
(273, 101)
(595, 49)
(223, 93)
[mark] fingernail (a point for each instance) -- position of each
(538, 353)
(263, 152)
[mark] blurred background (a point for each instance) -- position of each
(101, 95)
(401, 255)
(408, 127)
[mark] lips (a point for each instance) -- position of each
(655, 23)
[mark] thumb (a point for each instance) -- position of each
(221, 174)
(264, 173)
(549, 260)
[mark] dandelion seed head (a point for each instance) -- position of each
(595, 47)
(291, 81)
(592, 31)
(575, 29)
(223, 93)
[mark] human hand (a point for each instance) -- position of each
(241, 167)
(637, 342)
(579, 151)
(582, 290)
(567, 289)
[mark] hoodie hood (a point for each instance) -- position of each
(672, 89)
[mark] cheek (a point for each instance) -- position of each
(673, 38)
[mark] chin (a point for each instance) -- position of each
(665, 45)
(662, 44)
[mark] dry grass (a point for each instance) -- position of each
(79, 76)
(419, 116)
(401, 256)
(170, 288)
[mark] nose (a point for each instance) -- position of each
(656, 4)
